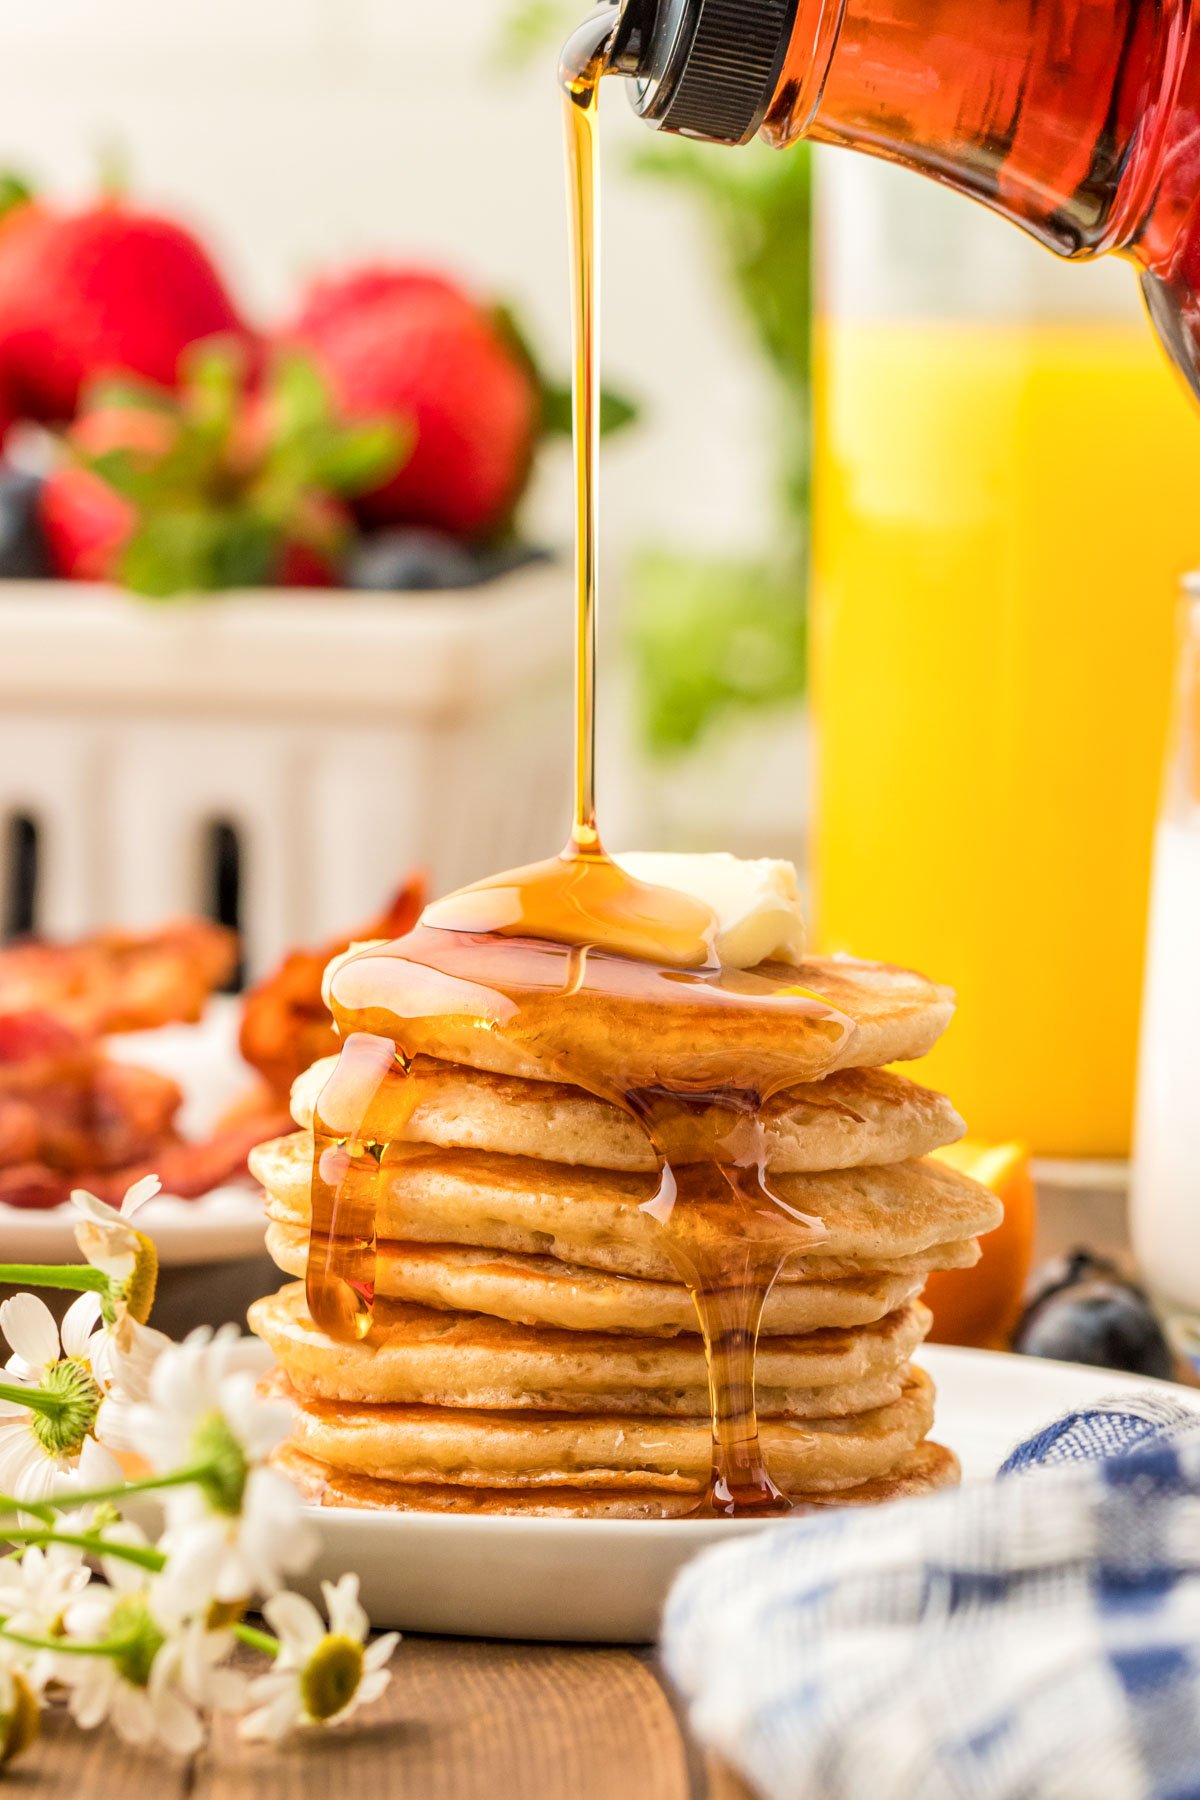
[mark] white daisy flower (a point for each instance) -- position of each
(111, 1244)
(217, 1559)
(36, 1587)
(238, 1528)
(35, 1339)
(321, 1676)
(162, 1673)
(104, 1235)
(40, 1442)
(123, 1364)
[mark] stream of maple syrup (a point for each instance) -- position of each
(580, 932)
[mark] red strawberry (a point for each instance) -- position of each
(102, 291)
(426, 356)
(86, 524)
(233, 482)
(312, 558)
(333, 298)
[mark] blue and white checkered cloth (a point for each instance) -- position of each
(1024, 1637)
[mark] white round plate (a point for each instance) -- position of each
(226, 1225)
(222, 1226)
(604, 1581)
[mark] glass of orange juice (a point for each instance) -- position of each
(1004, 500)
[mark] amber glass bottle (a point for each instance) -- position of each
(1076, 119)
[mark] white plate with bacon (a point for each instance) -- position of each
(119, 1059)
(166, 1092)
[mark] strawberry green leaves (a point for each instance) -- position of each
(239, 480)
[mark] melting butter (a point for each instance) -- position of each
(756, 904)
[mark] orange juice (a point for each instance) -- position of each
(1003, 511)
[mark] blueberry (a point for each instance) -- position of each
(22, 549)
(1083, 1310)
(411, 560)
(512, 554)
(1076, 1266)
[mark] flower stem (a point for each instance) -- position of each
(95, 1544)
(36, 1509)
(37, 1399)
(81, 1277)
(63, 1646)
(257, 1640)
(70, 1502)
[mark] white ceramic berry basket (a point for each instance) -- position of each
(342, 737)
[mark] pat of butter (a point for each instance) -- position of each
(756, 904)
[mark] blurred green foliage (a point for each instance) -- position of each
(707, 638)
(758, 206)
(757, 203)
(710, 635)
(531, 26)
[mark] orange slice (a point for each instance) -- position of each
(981, 1306)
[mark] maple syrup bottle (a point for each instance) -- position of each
(1073, 118)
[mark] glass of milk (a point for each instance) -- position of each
(1166, 1177)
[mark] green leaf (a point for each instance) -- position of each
(214, 372)
(362, 457)
(123, 393)
(299, 396)
(244, 553)
(15, 191)
(128, 473)
(167, 555)
(217, 502)
(617, 411)
(192, 550)
(504, 317)
(556, 410)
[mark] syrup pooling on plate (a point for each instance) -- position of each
(580, 967)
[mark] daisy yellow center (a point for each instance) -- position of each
(223, 1461)
(136, 1293)
(19, 1723)
(223, 1615)
(331, 1676)
(62, 1428)
(135, 1639)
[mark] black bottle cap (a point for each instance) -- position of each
(705, 68)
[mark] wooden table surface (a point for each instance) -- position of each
(462, 1720)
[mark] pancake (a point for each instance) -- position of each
(857, 1116)
(416, 1355)
(431, 1444)
(592, 1216)
(538, 1290)
(747, 1029)
(922, 1470)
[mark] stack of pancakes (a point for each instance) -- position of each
(533, 1349)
